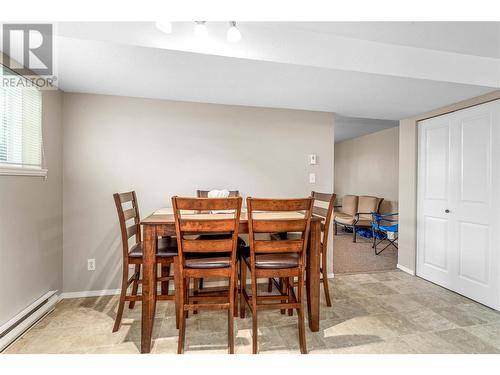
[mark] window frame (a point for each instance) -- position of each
(7, 169)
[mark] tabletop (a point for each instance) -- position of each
(166, 216)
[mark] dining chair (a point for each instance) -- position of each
(129, 219)
(196, 256)
(324, 211)
(282, 258)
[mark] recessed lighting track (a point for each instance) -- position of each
(201, 31)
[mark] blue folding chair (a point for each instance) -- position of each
(382, 224)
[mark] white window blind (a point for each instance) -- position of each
(21, 147)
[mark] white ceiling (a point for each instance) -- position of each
(376, 70)
(351, 127)
(471, 38)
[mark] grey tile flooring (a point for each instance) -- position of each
(387, 312)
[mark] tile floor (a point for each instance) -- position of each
(388, 312)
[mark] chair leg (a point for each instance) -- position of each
(335, 227)
(353, 233)
(196, 287)
(324, 272)
(283, 290)
(135, 285)
(243, 283)
(235, 291)
(289, 287)
(200, 283)
(254, 315)
(123, 293)
(269, 285)
(300, 313)
(374, 239)
(182, 318)
(165, 271)
(230, 315)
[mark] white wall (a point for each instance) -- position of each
(31, 223)
(161, 148)
(368, 165)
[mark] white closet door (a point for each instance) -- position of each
(459, 169)
(476, 207)
(434, 227)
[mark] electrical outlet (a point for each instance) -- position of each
(91, 264)
(312, 178)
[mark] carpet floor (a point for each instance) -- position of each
(359, 257)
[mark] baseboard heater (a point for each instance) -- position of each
(26, 318)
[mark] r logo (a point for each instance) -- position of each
(28, 48)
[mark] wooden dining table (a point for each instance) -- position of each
(162, 224)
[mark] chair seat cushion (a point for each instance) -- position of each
(386, 228)
(275, 261)
(342, 218)
(166, 247)
(208, 262)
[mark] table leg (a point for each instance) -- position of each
(148, 287)
(177, 280)
(313, 275)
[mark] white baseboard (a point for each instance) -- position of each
(90, 293)
(20, 323)
(112, 292)
(405, 269)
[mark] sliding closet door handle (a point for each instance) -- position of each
(447, 211)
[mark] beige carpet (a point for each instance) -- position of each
(349, 257)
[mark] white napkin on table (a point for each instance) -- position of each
(224, 193)
(218, 193)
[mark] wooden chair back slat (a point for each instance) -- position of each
(129, 214)
(126, 197)
(323, 197)
(278, 246)
(204, 193)
(320, 211)
(205, 204)
(131, 231)
(195, 226)
(259, 204)
(207, 246)
(272, 226)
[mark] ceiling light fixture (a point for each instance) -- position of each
(233, 34)
(200, 29)
(165, 27)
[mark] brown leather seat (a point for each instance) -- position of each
(167, 247)
(208, 262)
(272, 261)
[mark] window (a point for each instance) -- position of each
(21, 148)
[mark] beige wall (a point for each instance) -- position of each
(161, 148)
(31, 223)
(408, 178)
(368, 165)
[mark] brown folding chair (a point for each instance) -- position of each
(166, 251)
(196, 258)
(282, 258)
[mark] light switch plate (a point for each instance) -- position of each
(312, 178)
(312, 158)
